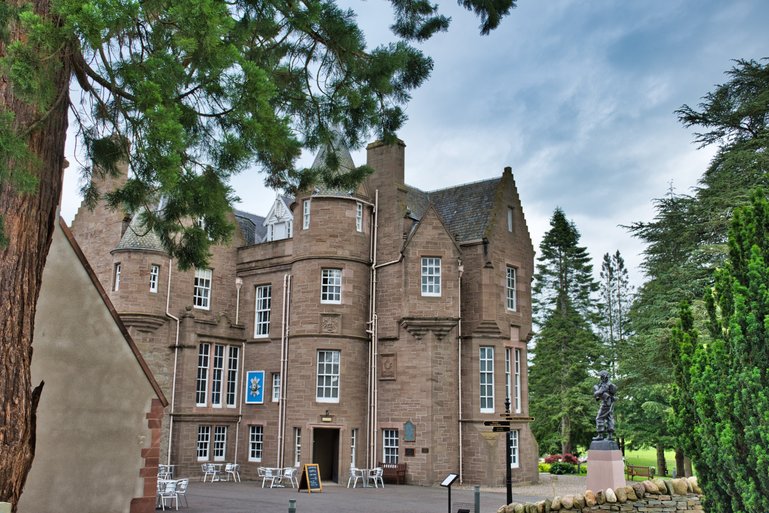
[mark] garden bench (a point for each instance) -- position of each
(394, 472)
(639, 470)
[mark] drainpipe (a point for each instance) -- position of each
(372, 332)
(284, 333)
(374, 347)
(242, 391)
(461, 269)
(176, 361)
(238, 285)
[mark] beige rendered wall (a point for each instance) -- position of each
(92, 423)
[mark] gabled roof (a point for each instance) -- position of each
(464, 209)
(113, 313)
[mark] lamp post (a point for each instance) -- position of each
(508, 457)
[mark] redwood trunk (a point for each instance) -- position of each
(28, 224)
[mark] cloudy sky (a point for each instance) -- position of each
(577, 97)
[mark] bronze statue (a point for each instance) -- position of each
(604, 392)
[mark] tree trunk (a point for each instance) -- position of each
(680, 471)
(565, 435)
(662, 467)
(28, 224)
(688, 472)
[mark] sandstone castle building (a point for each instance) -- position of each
(344, 328)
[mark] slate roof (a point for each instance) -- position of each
(465, 209)
(251, 226)
(346, 164)
(137, 237)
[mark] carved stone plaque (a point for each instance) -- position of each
(387, 366)
(329, 323)
(409, 432)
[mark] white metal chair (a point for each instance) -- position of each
(209, 470)
(167, 493)
(355, 474)
(271, 476)
(290, 474)
(232, 469)
(181, 491)
(375, 475)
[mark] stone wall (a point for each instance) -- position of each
(663, 495)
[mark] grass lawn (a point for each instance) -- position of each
(648, 458)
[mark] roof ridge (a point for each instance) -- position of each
(466, 184)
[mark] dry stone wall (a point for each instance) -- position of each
(657, 495)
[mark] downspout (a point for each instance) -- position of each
(372, 332)
(176, 361)
(238, 285)
(240, 406)
(285, 330)
(374, 392)
(461, 269)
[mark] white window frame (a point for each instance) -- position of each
(154, 278)
(217, 375)
(220, 363)
(255, 442)
(297, 446)
(510, 219)
(486, 375)
(327, 382)
(116, 278)
(201, 294)
(263, 305)
(305, 214)
(331, 286)
(359, 216)
(515, 460)
(431, 276)
(517, 374)
(511, 296)
(201, 388)
(353, 445)
(233, 365)
(204, 441)
(390, 440)
(275, 387)
(220, 443)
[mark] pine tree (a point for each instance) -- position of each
(566, 348)
(616, 297)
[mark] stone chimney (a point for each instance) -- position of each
(388, 162)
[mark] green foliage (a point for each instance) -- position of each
(194, 91)
(562, 467)
(543, 467)
(566, 351)
(727, 378)
(687, 239)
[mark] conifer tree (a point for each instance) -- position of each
(616, 296)
(566, 349)
(728, 377)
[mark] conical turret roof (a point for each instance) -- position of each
(138, 237)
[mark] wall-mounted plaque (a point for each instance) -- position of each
(387, 366)
(409, 432)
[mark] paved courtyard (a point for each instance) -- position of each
(249, 497)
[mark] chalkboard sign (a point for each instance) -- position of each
(310, 479)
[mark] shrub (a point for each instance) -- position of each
(561, 467)
(544, 467)
(568, 458)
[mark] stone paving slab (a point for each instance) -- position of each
(250, 497)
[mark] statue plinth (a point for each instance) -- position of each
(605, 468)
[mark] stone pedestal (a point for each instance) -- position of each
(605, 468)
